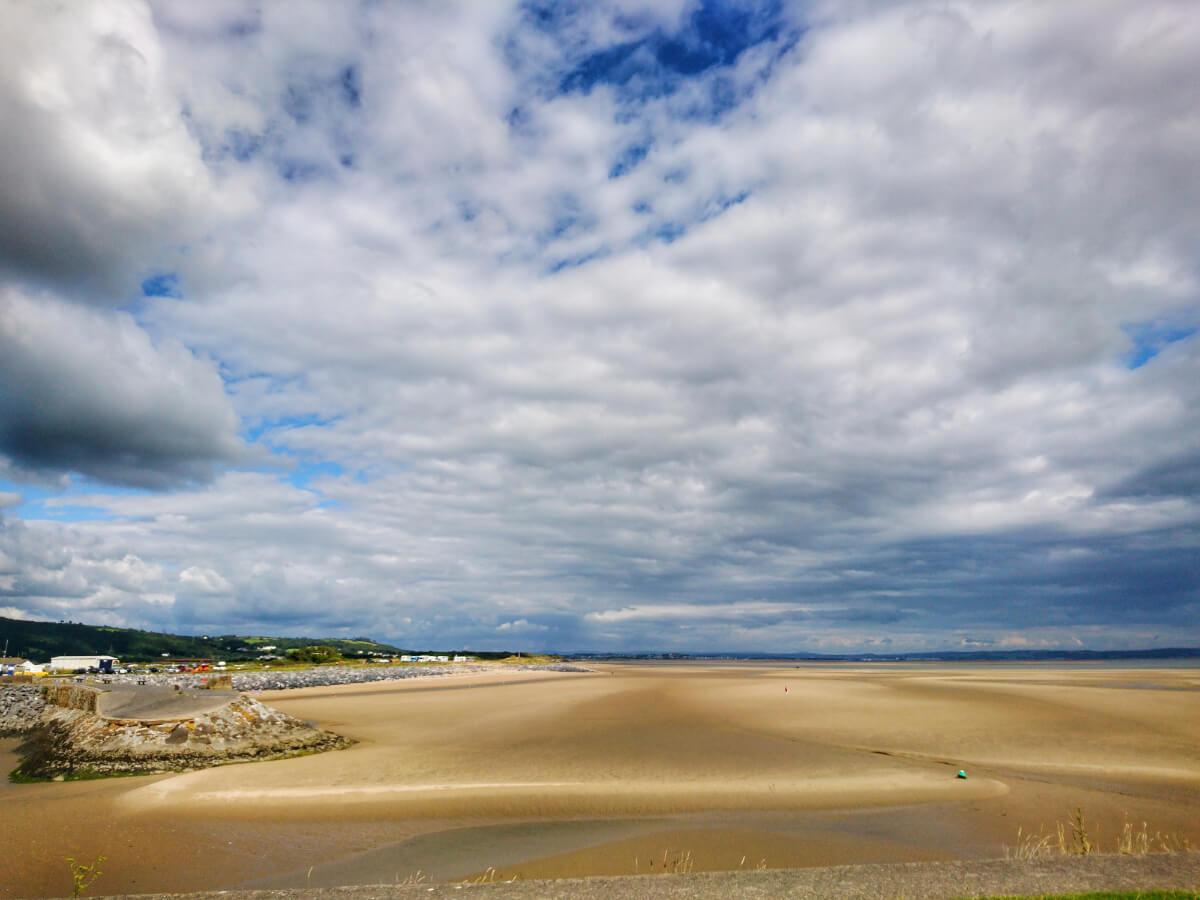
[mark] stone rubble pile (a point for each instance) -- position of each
(72, 742)
(324, 676)
(21, 707)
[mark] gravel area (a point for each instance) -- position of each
(914, 881)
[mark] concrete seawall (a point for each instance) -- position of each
(71, 696)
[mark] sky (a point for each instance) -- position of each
(681, 325)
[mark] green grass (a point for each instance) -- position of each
(16, 776)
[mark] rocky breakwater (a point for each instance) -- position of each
(21, 708)
(86, 732)
(325, 676)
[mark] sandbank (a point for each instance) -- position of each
(547, 774)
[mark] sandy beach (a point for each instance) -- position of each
(637, 768)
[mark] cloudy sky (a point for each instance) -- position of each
(671, 325)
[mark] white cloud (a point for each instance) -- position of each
(204, 581)
(100, 180)
(521, 626)
(841, 354)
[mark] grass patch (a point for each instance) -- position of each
(16, 776)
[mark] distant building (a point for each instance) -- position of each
(71, 663)
(9, 664)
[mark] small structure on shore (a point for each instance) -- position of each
(100, 662)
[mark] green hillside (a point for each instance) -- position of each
(40, 641)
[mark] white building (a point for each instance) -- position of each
(71, 663)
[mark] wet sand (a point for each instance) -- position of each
(638, 768)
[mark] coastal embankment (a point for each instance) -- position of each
(159, 722)
(85, 731)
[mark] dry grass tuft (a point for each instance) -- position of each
(672, 863)
(1139, 842)
(1073, 839)
(489, 875)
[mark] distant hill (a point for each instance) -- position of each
(40, 641)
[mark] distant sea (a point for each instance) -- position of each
(1173, 657)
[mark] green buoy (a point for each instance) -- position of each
(962, 774)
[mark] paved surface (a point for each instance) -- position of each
(911, 881)
(156, 702)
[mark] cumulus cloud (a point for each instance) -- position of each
(204, 581)
(87, 391)
(100, 180)
(687, 326)
(521, 626)
(103, 188)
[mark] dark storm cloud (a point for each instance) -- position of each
(100, 185)
(1177, 476)
(86, 391)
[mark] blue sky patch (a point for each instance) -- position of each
(306, 472)
(265, 428)
(1149, 339)
(351, 83)
(243, 145)
(574, 262)
(296, 171)
(719, 204)
(54, 503)
(629, 159)
(165, 284)
(669, 232)
(654, 63)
